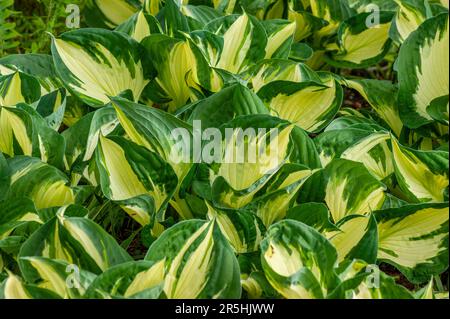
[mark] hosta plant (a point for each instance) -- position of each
(126, 164)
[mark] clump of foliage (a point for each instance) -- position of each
(8, 34)
(32, 20)
(92, 177)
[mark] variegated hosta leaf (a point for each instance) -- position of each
(173, 20)
(44, 184)
(309, 105)
(154, 129)
(280, 37)
(57, 276)
(223, 106)
(18, 88)
(382, 97)
(75, 240)
(347, 188)
(353, 119)
(332, 11)
(225, 6)
(83, 137)
(357, 238)
(48, 145)
(364, 281)
(110, 13)
(298, 261)
(254, 283)
(14, 288)
(96, 64)
(279, 193)
(152, 6)
(281, 70)
(306, 23)
(315, 215)
(199, 16)
(368, 148)
(128, 171)
(16, 132)
(76, 138)
(410, 15)
(243, 41)
(5, 176)
(422, 175)
(134, 279)
(301, 52)
(361, 43)
(24, 132)
(140, 26)
(246, 164)
(422, 82)
(264, 9)
(15, 213)
(177, 82)
(243, 230)
(200, 263)
(204, 75)
(39, 66)
(174, 61)
(414, 239)
(103, 123)
(52, 107)
(321, 17)
(165, 135)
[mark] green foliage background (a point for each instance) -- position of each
(24, 24)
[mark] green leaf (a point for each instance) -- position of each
(357, 238)
(315, 215)
(361, 43)
(414, 239)
(96, 64)
(77, 241)
(298, 261)
(422, 175)
(230, 102)
(14, 288)
(382, 97)
(244, 41)
(243, 230)
(128, 171)
(423, 55)
(58, 276)
(370, 149)
(273, 70)
(410, 15)
(44, 184)
(39, 66)
(18, 88)
(309, 105)
(140, 25)
(153, 129)
(346, 187)
(108, 14)
(199, 262)
(134, 279)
